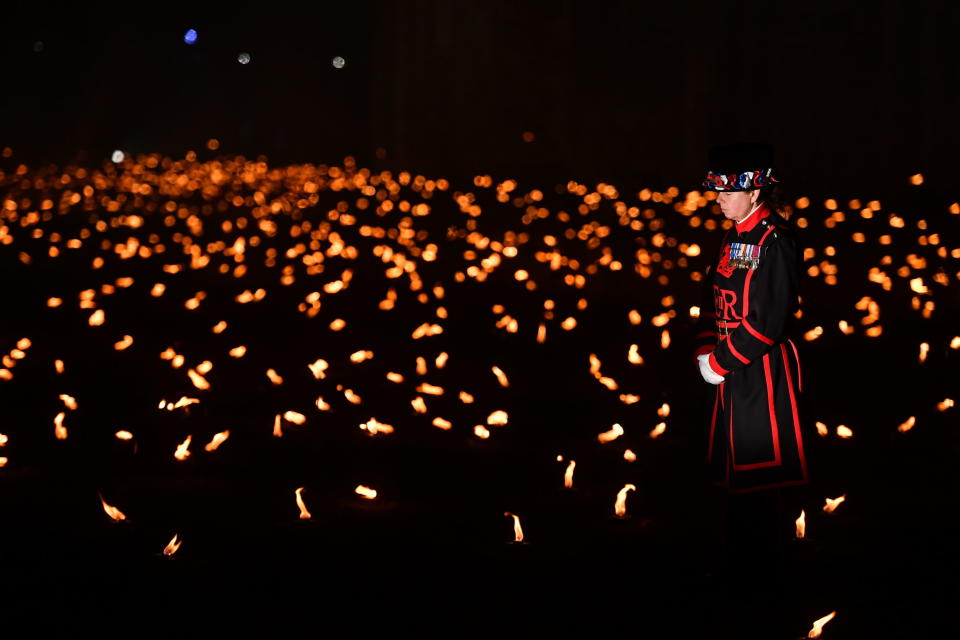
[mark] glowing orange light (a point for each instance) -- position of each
(610, 435)
(801, 523)
(818, 625)
(832, 503)
(216, 441)
(111, 511)
(304, 514)
(182, 452)
(517, 529)
(172, 546)
(568, 475)
(365, 492)
(620, 507)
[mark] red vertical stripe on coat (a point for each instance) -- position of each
(796, 418)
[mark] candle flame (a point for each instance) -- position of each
(833, 503)
(318, 368)
(822, 429)
(172, 546)
(946, 404)
(658, 430)
(801, 523)
(111, 511)
(629, 456)
(633, 356)
(844, 431)
(612, 434)
(664, 410)
(818, 625)
(277, 430)
(69, 401)
(216, 441)
(906, 426)
(440, 423)
(373, 427)
(59, 430)
(182, 452)
(304, 514)
(481, 432)
(501, 376)
(497, 418)
(517, 529)
(568, 475)
(620, 508)
(366, 492)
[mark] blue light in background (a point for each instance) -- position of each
(190, 36)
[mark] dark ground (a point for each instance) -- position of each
(431, 555)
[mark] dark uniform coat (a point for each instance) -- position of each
(750, 301)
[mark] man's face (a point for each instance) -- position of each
(737, 204)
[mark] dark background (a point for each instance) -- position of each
(854, 95)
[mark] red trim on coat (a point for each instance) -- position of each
(717, 369)
(753, 219)
(704, 334)
(799, 373)
(739, 356)
(756, 334)
(774, 429)
(796, 418)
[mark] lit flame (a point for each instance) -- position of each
(481, 432)
(664, 410)
(3, 440)
(69, 401)
(440, 423)
(633, 356)
(906, 426)
(182, 452)
(517, 529)
(658, 430)
(924, 349)
(373, 427)
(844, 431)
(366, 492)
(568, 475)
(629, 456)
(608, 436)
(946, 404)
(304, 514)
(113, 512)
(216, 441)
(833, 503)
(818, 625)
(172, 546)
(59, 430)
(620, 508)
(123, 344)
(277, 430)
(501, 376)
(275, 378)
(318, 368)
(295, 417)
(955, 342)
(497, 418)
(419, 405)
(198, 380)
(801, 524)
(822, 429)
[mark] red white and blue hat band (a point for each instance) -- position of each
(743, 181)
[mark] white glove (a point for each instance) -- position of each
(708, 374)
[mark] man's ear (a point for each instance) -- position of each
(754, 194)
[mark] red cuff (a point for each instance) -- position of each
(717, 369)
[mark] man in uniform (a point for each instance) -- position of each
(743, 348)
